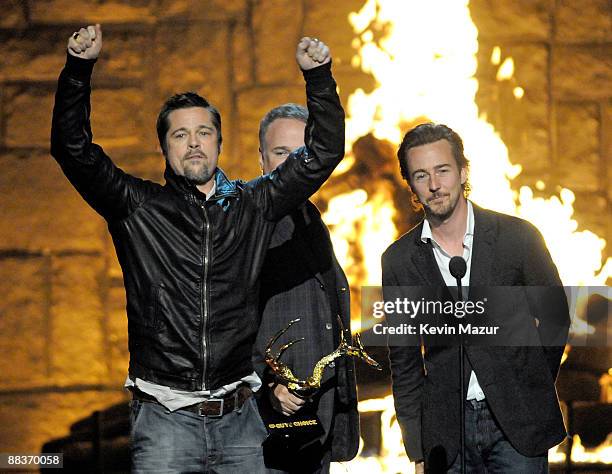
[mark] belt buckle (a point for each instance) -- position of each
(221, 403)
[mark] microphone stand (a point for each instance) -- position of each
(458, 268)
(461, 388)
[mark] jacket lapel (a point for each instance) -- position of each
(483, 254)
(424, 261)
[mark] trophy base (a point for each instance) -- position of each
(289, 458)
(291, 439)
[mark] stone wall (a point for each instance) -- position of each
(63, 331)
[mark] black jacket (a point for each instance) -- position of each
(191, 266)
(518, 382)
(302, 278)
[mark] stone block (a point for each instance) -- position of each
(242, 56)
(202, 9)
(125, 50)
(117, 118)
(592, 213)
(33, 53)
(101, 11)
(23, 321)
(38, 54)
(582, 72)
(192, 57)
(78, 352)
(278, 27)
(606, 150)
(578, 147)
(521, 19)
(27, 115)
(329, 22)
(27, 421)
(13, 14)
(253, 104)
(587, 20)
(41, 210)
(117, 335)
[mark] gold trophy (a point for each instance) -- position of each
(299, 430)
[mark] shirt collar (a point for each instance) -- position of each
(211, 193)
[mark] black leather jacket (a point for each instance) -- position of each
(191, 266)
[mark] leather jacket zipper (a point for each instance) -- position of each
(204, 296)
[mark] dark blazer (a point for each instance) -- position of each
(518, 382)
(302, 278)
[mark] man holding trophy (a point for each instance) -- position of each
(301, 279)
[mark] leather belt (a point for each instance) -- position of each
(213, 407)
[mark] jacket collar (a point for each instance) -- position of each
(483, 256)
(485, 225)
(424, 260)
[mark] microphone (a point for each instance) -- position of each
(457, 267)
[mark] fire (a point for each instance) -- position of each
(424, 64)
(580, 454)
(422, 56)
(392, 457)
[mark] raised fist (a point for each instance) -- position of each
(86, 43)
(311, 53)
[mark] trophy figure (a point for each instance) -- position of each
(297, 431)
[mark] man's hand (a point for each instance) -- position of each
(419, 467)
(311, 53)
(284, 401)
(86, 43)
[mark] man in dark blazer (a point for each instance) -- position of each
(301, 278)
(512, 414)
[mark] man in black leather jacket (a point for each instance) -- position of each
(191, 252)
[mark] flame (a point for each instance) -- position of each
(580, 454)
(392, 456)
(422, 56)
(496, 56)
(424, 63)
(506, 70)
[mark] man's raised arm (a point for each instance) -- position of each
(306, 169)
(106, 188)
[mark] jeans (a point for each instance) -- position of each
(487, 450)
(181, 441)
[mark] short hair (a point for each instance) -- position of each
(289, 111)
(185, 100)
(425, 134)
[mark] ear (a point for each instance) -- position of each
(463, 175)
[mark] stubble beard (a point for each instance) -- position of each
(198, 173)
(442, 212)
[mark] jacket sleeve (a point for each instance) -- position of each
(106, 188)
(307, 168)
(546, 298)
(407, 374)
